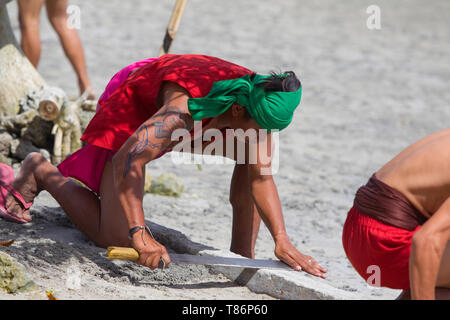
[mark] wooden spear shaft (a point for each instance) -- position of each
(173, 26)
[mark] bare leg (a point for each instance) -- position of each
(81, 205)
(440, 294)
(246, 220)
(29, 12)
(443, 282)
(57, 15)
(103, 221)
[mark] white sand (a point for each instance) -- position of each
(366, 95)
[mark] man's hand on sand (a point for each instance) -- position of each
(287, 253)
(150, 251)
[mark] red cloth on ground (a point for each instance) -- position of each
(369, 242)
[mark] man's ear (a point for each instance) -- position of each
(237, 110)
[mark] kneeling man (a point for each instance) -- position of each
(399, 225)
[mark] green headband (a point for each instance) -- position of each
(270, 110)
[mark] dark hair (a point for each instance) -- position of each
(285, 82)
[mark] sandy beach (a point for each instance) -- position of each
(367, 94)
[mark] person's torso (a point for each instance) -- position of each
(135, 100)
(421, 172)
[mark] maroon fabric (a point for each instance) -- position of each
(388, 205)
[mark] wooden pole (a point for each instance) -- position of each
(57, 147)
(173, 26)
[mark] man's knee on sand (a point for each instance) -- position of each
(37, 165)
(30, 166)
(34, 159)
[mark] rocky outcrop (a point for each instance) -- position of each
(13, 276)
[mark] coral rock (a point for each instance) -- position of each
(167, 184)
(13, 278)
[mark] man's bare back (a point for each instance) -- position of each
(383, 230)
(420, 172)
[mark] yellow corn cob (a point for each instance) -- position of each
(122, 253)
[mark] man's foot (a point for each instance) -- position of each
(86, 87)
(17, 197)
(15, 209)
(91, 95)
(6, 179)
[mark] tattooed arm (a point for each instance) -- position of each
(154, 136)
(150, 139)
